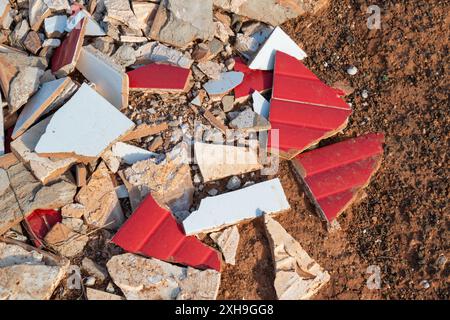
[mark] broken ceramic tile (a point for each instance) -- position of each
(156, 52)
(148, 78)
(249, 121)
(130, 154)
(55, 26)
(179, 22)
(297, 275)
(145, 130)
(43, 168)
(219, 161)
(92, 27)
(278, 41)
(336, 174)
(228, 241)
(99, 198)
(90, 130)
(28, 273)
(151, 279)
(260, 105)
(66, 55)
(227, 82)
(39, 223)
(109, 79)
(303, 116)
(215, 213)
(50, 96)
(154, 232)
(124, 56)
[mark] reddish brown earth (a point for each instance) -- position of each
(402, 225)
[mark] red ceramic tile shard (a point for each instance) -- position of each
(158, 77)
(258, 80)
(335, 175)
(66, 55)
(39, 223)
(152, 231)
(303, 109)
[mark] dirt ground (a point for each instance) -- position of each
(402, 225)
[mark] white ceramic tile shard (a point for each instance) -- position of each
(109, 79)
(297, 275)
(278, 41)
(260, 105)
(231, 208)
(130, 154)
(55, 26)
(85, 126)
(46, 98)
(228, 241)
(43, 168)
(227, 82)
(217, 161)
(92, 29)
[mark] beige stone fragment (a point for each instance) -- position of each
(73, 210)
(297, 275)
(228, 241)
(93, 294)
(100, 200)
(65, 241)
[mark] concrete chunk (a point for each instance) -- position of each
(179, 22)
(250, 121)
(121, 11)
(28, 273)
(145, 13)
(65, 241)
(156, 52)
(228, 241)
(81, 130)
(219, 161)
(151, 279)
(102, 207)
(297, 275)
(215, 213)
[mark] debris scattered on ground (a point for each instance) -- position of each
(144, 126)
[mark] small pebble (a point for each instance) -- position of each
(365, 94)
(213, 192)
(352, 70)
(234, 183)
(89, 281)
(425, 284)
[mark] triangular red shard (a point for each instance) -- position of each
(39, 223)
(158, 77)
(258, 80)
(334, 175)
(152, 231)
(303, 108)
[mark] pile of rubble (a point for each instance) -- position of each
(79, 159)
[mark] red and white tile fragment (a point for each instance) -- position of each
(336, 174)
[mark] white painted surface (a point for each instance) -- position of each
(260, 105)
(38, 104)
(109, 79)
(228, 81)
(278, 41)
(92, 28)
(230, 208)
(55, 24)
(130, 154)
(86, 125)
